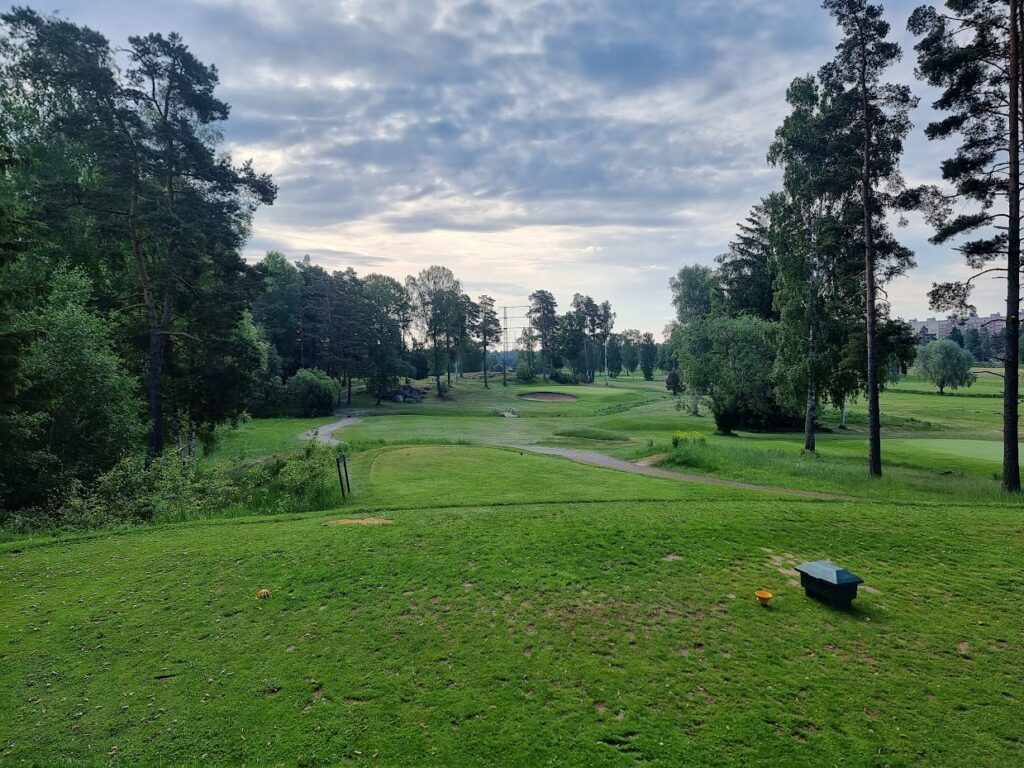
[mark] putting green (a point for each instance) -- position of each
(986, 450)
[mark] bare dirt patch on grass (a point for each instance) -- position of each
(549, 397)
(361, 521)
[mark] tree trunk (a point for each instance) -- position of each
(811, 409)
(154, 389)
(348, 391)
(842, 415)
(1011, 382)
(485, 364)
(437, 366)
(809, 415)
(874, 419)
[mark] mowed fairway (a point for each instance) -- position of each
(521, 609)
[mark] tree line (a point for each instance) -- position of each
(130, 323)
(792, 317)
(578, 345)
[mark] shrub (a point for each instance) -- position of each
(170, 490)
(689, 439)
(559, 376)
(313, 391)
(525, 373)
(308, 478)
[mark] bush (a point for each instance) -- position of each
(270, 398)
(169, 490)
(309, 478)
(525, 374)
(689, 439)
(563, 377)
(313, 391)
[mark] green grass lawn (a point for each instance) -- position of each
(262, 437)
(522, 609)
(530, 628)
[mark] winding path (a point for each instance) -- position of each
(609, 462)
(325, 434)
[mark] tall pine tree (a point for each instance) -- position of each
(972, 52)
(881, 121)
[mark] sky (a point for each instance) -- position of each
(591, 147)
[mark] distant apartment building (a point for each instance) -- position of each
(942, 328)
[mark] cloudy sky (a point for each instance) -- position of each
(579, 146)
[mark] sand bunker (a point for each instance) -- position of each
(549, 397)
(361, 521)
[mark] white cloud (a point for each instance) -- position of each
(577, 145)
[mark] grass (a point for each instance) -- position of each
(257, 438)
(534, 631)
(523, 609)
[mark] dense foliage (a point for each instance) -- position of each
(790, 319)
(945, 364)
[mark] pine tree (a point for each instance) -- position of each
(973, 54)
(880, 125)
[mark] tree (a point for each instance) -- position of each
(543, 316)
(603, 331)
(985, 348)
(614, 354)
(313, 391)
(666, 356)
(77, 413)
(956, 336)
(945, 364)
(435, 300)
(973, 54)
(674, 383)
(997, 342)
(132, 160)
(385, 303)
(277, 307)
(465, 321)
(972, 342)
(348, 344)
(724, 357)
(648, 356)
(571, 341)
(694, 290)
(488, 328)
(526, 363)
(588, 318)
(816, 292)
(881, 124)
(631, 340)
(924, 336)
(744, 271)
